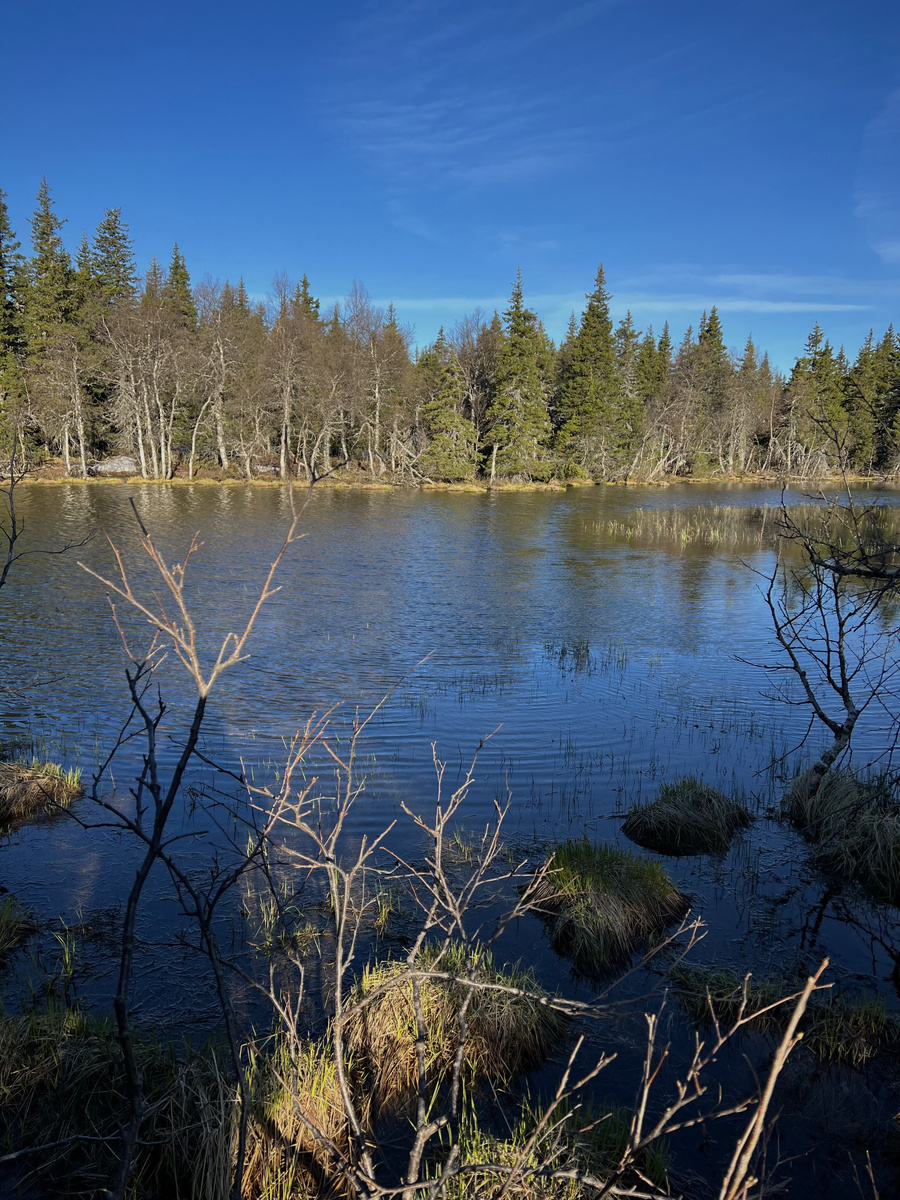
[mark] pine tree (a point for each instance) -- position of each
(49, 296)
(452, 452)
(176, 292)
(306, 302)
(112, 254)
(518, 421)
(589, 392)
(154, 282)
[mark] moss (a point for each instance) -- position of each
(687, 817)
(506, 1033)
(27, 789)
(603, 903)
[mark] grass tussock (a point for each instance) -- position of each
(506, 1032)
(27, 789)
(853, 823)
(603, 903)
(295, 1097)
(592, 1145)
(61, 1077)
(843, 1028)
(687, 817)
(15, 925)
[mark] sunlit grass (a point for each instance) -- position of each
(27, 789)
(687, 817)
(603, 903)
(506, 1033)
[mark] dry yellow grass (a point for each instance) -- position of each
(506, 1033)
(28, 789)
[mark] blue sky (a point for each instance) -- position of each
(744, 154)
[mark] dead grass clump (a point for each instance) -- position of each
(853, 822)
(61, 1078)
(687, 817)
(844, 1028)
(36, 787)
(603, 903)
(507, 1032)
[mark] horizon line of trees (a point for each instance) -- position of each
(96, 360)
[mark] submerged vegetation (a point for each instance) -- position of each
(687, 817)
(853, 823)
(27, 789)
(843, 1028)
(602, 903)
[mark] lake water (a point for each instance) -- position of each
(602, 665)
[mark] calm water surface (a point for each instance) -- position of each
(602, 666)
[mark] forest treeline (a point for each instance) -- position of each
(95, 361)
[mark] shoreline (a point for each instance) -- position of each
(50, 479)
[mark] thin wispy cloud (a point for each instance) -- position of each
(877, 192)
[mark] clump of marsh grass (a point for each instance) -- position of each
(14, 925)
(687, 817)
(844, 1028)
(591, 1145)
(285, 1158)
(61, 1082)
(853, 822)
(603, 903)
(509, 1026)
(27, 789)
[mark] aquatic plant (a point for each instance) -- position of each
(687, 817)
(61, 1088)
(843, 1028)
(602, 903)
(508, 1029)
(593, 1145)
(14, 925)
(27, 789)
(853, 822)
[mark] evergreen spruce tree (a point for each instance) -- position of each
(452, 452)
(176, 292)
(49, 296)
(589, 391)
(114, 268)
(306, 302)
(154, 282)
(518, 422)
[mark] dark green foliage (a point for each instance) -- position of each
(517, 422)
(49, 296)
(603, 903)
(687, 817)
(176, 291)
(12, 334)
(590, 392)
(452, 450)
(112, 260)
